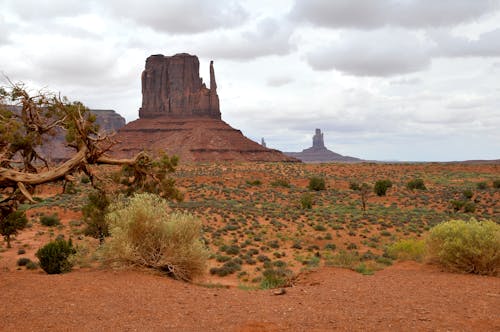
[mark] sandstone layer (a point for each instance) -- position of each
(319, 153)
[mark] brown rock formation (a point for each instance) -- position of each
(319, 153)
(171, 86)
(181, 116)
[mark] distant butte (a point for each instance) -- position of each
(319, 153)
(181, 116)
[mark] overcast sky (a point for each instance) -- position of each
(387, 79)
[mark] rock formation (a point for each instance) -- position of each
(171, 86)
(181, 116)
(319, 153)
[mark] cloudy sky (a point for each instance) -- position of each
(387, 79)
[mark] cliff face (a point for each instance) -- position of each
(319, 153)
(109, 120)
(181, 116)
(171, 86)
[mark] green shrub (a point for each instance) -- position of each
(11, 224)
(457, 205)
(354, 185)
(144, 232)
(274, 278)
(408, 249)
(496, 184)
(317, 183)
(55, 256)
(254, 182)
(381, 187)
(52, 220)
(482, 185)
(416, 184)
(94, 215)
(281, 183)
(306, 201)
(467, 193)
(466, 246)
(23, 261)
(469, 207)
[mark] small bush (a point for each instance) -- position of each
(317, 183)
(274, 278)
(482, 185)
(21, 251)
(23, 261)
(496, 184)
(466, 246)
(11, 224)
(50, 221)
(254, 182)
(467, 193)
(381, 187)
(417, 184)
(469, 207)
(144, 232)
(409, 249)
(94, 215)
(354, 186)
(31, 265)
(54, 256)
(306, 201)
(281, 183)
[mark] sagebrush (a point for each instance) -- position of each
(466, 246)
(144, 232)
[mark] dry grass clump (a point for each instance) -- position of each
(144, 232)
(407, 249)
(466, 246)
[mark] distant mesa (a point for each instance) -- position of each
(181, 116)
(319, 153)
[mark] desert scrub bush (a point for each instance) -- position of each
(417, 184)
(11, 224)
(55, 256)
(23, 261)
(406, 249)
(466, 246)
(316, 183)
(381, 186)
(496, 184)
(50, 221)
(144, 232)
(276, 277)
(281, 183)
(256, 182)
(306, 201)
(94, 215)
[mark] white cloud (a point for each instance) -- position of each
(486, 45)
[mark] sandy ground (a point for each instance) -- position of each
(407, 296)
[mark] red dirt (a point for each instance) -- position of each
(406, 296)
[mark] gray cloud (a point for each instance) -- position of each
(375, 14)
(180, 16)
(375, 53)
(268, 37)
(44, 10)
(277, 81)
(487, 45)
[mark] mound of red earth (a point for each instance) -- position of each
(194, 139)
(319, 153)
(181, 116)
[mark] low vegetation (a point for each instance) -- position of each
(466, 246)
(145, 232)
(55, 256)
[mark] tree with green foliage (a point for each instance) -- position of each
(317, 183)
(11, 224)
(381, 187)
(94, 215)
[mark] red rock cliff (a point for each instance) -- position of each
(171, 86)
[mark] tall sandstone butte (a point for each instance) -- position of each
(181, 116)
(171, 86)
